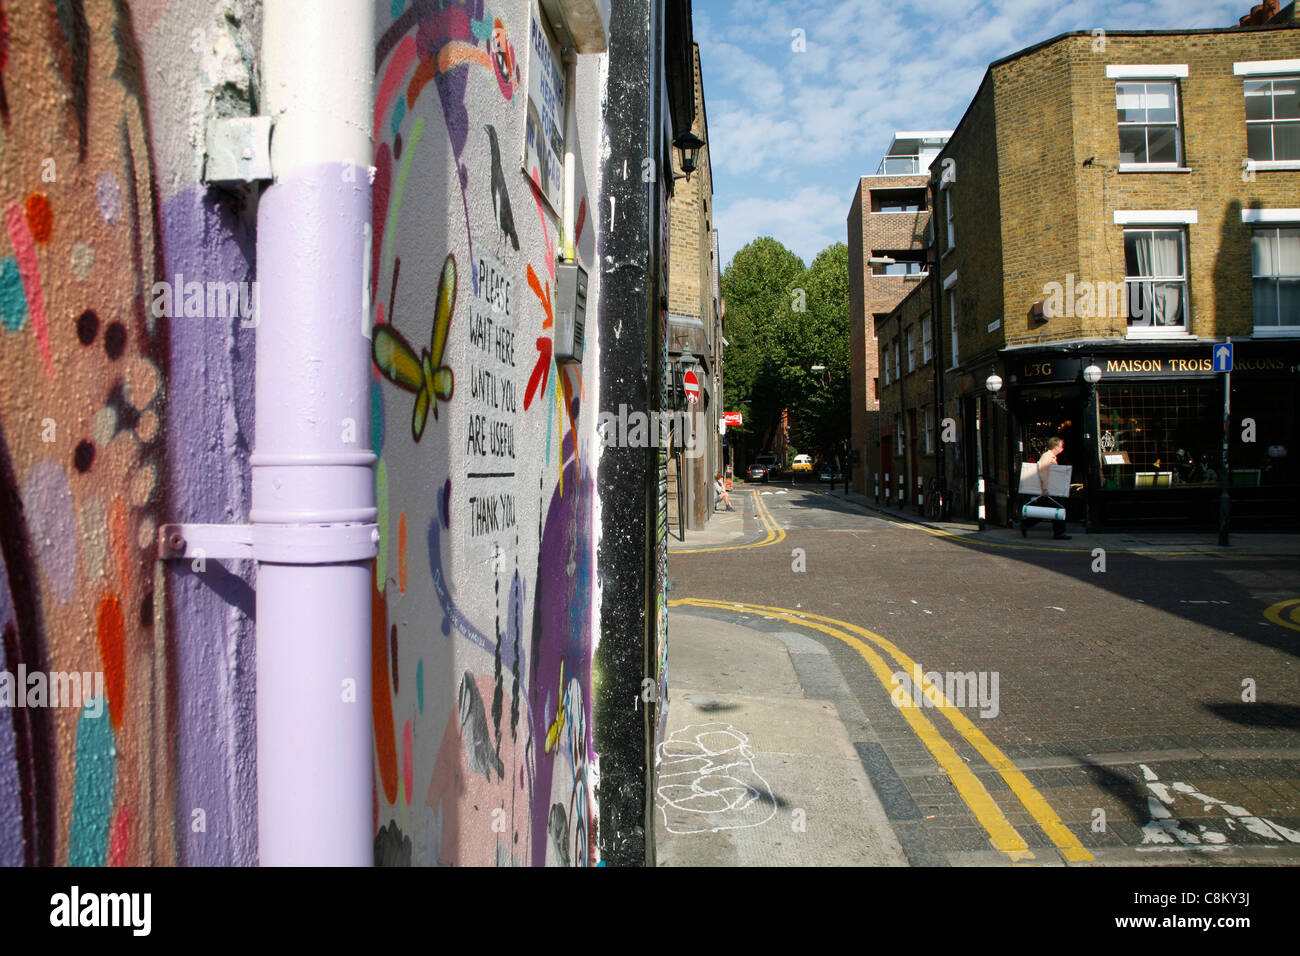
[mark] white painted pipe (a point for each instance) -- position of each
(570, 241)
(313, 485)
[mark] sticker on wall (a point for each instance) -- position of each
(544, 131)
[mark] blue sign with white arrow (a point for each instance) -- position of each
(1223, 357)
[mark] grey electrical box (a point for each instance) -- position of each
(570, 311)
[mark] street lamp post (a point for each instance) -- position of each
(1092, 443)
(685, 362)
(993, 385)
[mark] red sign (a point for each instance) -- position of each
(692, 385)
(731, 418)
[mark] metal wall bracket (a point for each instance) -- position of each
(269, 543)
(218, 541)
(237, 150)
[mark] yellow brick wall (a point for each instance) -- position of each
(1038, 213)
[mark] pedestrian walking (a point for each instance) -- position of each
(1055, 445)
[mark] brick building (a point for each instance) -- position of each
(888, 222)
(1122, 202)
(908, 439)
(695, 320)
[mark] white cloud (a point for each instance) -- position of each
(805, 221)
(785, 127)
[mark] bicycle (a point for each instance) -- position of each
(935, 500)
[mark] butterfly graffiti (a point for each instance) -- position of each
(425, 376)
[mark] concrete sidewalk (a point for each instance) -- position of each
(1040, 536)
(724, 527)
(758, 767)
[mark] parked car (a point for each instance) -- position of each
(803, 464)
(830, 473)
(769, 461)
(758, 472)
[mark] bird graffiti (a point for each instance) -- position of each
(500, 197)
(482, 756)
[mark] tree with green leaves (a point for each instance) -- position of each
(782, 319)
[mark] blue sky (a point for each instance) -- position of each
(790, 133)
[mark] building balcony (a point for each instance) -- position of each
(903, 165)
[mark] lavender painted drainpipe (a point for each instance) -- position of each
(313, 507)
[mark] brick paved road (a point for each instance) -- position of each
(1119, 693)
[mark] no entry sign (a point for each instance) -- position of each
(692, 386)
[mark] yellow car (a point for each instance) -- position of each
(802, 463)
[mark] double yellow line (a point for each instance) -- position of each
(775, 533)
(1285, 613)
(1003, 835)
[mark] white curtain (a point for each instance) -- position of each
(1166, 262)
(1142, 307)
(1275, 261)
(1288, 287)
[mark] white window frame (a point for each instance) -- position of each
(885, 363)
(1261, 224)
(951, 289)
(1161, 331)
(927, 341)
(1154, 73)
(899, 443)
(1146, 71)
(1283, 216)
(927, 417)
(1272, 122)
(911, 349)
(898, 359)
(1156, 217)
(948, 215)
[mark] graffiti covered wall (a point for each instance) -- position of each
(125, 691)
(484, 596)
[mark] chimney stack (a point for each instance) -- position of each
(1260, 14)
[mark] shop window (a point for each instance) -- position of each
(1148, 123)
(1275, 268)
(1273, 119)
(1155, 280)
(1169, 434)
(1269, 460)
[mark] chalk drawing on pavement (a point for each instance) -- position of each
(708, 781)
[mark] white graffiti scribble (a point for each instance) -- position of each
(708, 781)
(1164, 828)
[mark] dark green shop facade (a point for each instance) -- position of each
(1146, 441)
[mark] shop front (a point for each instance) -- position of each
(1146, 440)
